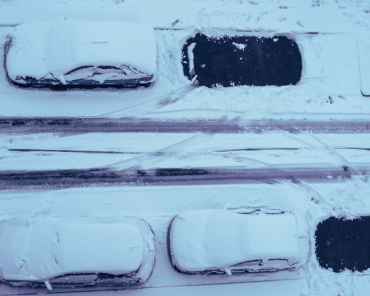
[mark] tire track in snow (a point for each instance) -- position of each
(160, 154)
(73, 125)
(322, 146)
(56, 179)
(156, 154)
(152, 105)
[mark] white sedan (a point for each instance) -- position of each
(221, 241)
(78, 252)
(76, 53)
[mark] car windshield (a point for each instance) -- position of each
(74, 278)
(84, 69)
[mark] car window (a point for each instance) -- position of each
(247, 264)
(242, 60)
(80, 70)
(277, 263)
(74, 278)
(107, 69)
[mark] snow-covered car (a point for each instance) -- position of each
(76, 252)
(222, 241)
(83, 54)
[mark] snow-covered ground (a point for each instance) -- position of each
(332, 59)
(333, 37)
(49, 151)
(330, 69)
(158, 205)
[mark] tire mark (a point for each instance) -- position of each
(56, 179)
(75, 125)
(152, 105)
(156, 154)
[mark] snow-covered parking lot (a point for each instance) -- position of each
(158, 152)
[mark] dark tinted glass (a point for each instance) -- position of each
(343, 244)
(235, 61)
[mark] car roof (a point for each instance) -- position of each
(59, 47)
(52, 247)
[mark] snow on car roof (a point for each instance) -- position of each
(59, 47)
(218, 238)
(51, 247)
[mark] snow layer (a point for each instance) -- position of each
(208, 239)
(56, 48)
(173, 95)
(364, 46)
(324, 75)
(159, 205)
(150, 151)
(49, 247)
